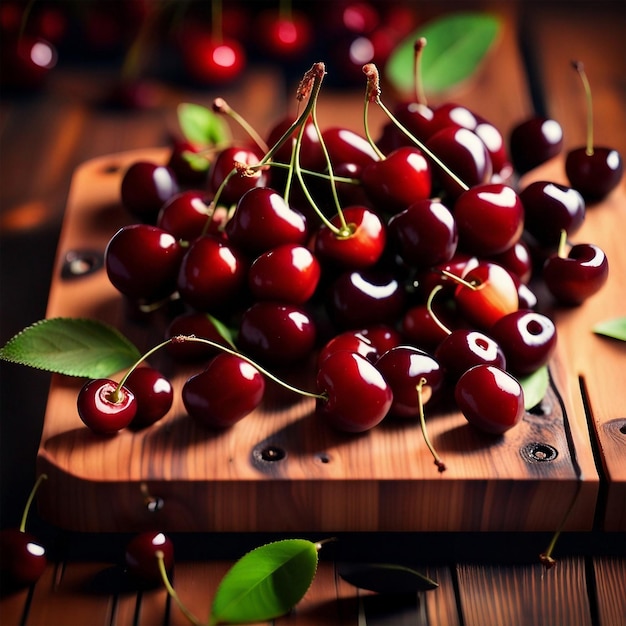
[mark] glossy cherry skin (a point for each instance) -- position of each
(528, 339)
(145, 187)
(425, 234)
(383, 336)
(464, 348)
(346, 146)
(140, 558)
(101, 411)
(228, 390)
(142, 262)
(186, 215)
(276, 333)
(578, 276)
(419, 328)
(397, 181)
(288, 273)
(550, 208)
(286, 37)
(237, 184)
(594, 175)
(212, 274)
(351, 341)
(494, 295)
(533, 142)
(357, 396)
(198, 324)
(403, 367)
(187, 171)
(489, 218)
(361, 248)
(361, 298)
(490, 399)
(517, 260)
(458, 265)
(153, 393)
(213, 61)
(24, 559)
(263, 220)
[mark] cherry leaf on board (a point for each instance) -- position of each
(71, 346)
(202, 126)
(265, 583)
(614, 328)
(535, 386)
(385, 578)
(225, 332)
(455, 46)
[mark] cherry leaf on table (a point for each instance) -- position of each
(385, 578)
(535, 386)
(455, 46)
(202, 126)
(265, 583)
(71, 346)
(614, 328)
(225, 332)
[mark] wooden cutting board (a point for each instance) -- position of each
(281, 470)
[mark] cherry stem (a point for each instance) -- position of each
(29, 502)
(580, 68)
(172, 592)
(458, 279)
(431, 312)
(420, 94)
(221, 106)
(441, 466)
(369, 69)
(284, 10)
(562, 249)
(337, 179)
(216, 20)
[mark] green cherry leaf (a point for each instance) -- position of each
(265, 583)
(614, 328)
(455, 46)
(535, 386)
(225, 332)
(72, 346)
(202, 126)
(385, 578)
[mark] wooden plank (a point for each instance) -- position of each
(13, 605)
(507, 595)
(610, 589)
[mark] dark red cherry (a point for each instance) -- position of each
(140, 557)
(490, 399)
(153, 393)
(285, 36)
(276, 333)
(533, 142)
(26, 62)
(287, 273)
(425, 233)
(527, 338)
(464, 348)
(105, 407)
(145, 187)
(594, 174)
(346, 146)
(193, 323)
(24, 558)
(357, 396)
(420, 329)
(351, 341)
(489, 218)
(573, 278)
(188, 166)
(228, 390)
(212, 61)
(458, 265)
(212, 274)
(417, 118)
(238, 183)
(517, 260)
(403, 367)
(142, 262)
(186, 215)
(311, 154)
(383, 336)
(550, 208)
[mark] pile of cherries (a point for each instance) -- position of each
(400, 268)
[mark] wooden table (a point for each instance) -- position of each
(484, 578)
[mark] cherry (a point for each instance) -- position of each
(594, 171)
(24, 558)
(212, 274)
(489, 218)
(288, 273)
(351, 341)
(490, 399)
(357, 397)
(419, 328)
(285, 34)
(403, 367)
(105, 406)
(446, 273)
(197, 324)
(397, 181)
(153, 393)
(212, 60)
(26, 62)
(188, 171)
(573, 277)
(425, 234)
(534, 141)
(185, 215)
(142, 262)
(346, 146)
(550, 208)
(141, 560)
(276, 332)
(382, 336)
(145, 187)
(527, 338)
(228, 390)
(311, 153)
(517, 260)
